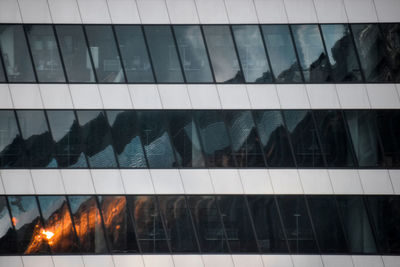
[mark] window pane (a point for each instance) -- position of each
(341, 52)
(163, 54)
(281, 53)
(252, 53)
(371, 49)
(297, 224)
(335, 142)
(222, 54)
(46, 56)
(364, 134)
(75, 53)
(389, 131)
(239, 230)
(11, 148)
(126, 135)
(391, 33)
(8, 240)
(245, 142)
(149, 227)
(156, 140)
(28, 225)
(267, 224)
(208, 224)
(303, 134)
(2, 75)
(96, 136)
(39, 145)
(88, 225)
(327, 225)
(178, 224)
(274, 138)
(185, 139)
(134, 54)
(118, 224)
(58, 230)
(193, 54)
(17, 60)
(312, 56)
(356, 224)
(104, 54)
(215, 139)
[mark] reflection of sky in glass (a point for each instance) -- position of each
(5, 220)
(293, 118)
(24, 209)
(240, 128)
(332, 34)
(32, 122)
(308, 43)
(8, 128)
(60, 123)
(50, 204)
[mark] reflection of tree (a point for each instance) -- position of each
(238, 78)
(292, 74)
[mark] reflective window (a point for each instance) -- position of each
(373, 55)
(134, 54)
(16, 58)
(58, 232)
(149, 227)
(281, 52)
(46, 56)
(11, 148)
(391, 34)
(88, 225)
(388, 123)
(163, 54)
(312, 56)
(216, 144)
(75, 54)
(2, 76)
(222, 54)
(267, 224)
(252, 53)
(245, 141)
(303, 134)
(8, 241)
(193, 54)
(341, 52)
(104, 54)
(96, 136)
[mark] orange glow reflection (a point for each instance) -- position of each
(48, 235)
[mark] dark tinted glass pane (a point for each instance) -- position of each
(303, 134)
(391, 33)
(118, 224)
(193, 54)
(245, 141)
(389, 130)
(239, 230)
(2, 75)
(104, 54)
(149, 227)
(126, 135)
(15, 54)
(58, 230)
(341, 52)
(69, 148)
(281, 53)
(185, 139)
(335, 143)
(252, 53)
(297, 224)
(178, 224)
(75, 53)
(222, 54)
(134, 54)
(267, 224)
(356, 224)
(11, 143)
(312, 56)
(46, 56)
(96, 136)
(156, 140)
(26, 219)
(373, 55)
(88, 225)
(163, 54)
(364, 135)
(38, 142)
(274, 138)
(8, 239)
(208, 224)
(385, 211)
(328, 228)
(215, 139)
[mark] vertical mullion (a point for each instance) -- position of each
(111, 138)
(4, 66)
(371, 223)
(41, 219)
(289, 135)
(352, 37)
(53, 152)
(157, 208)
(78, 241)
(305, 199)
(82, 145)
(89, 51)
(223, 119)
(97, 203)
(350, 140)
(341, 220)
(119, 53)
(167, 130)
(317, 133)
(266, 53)
(331, 75)
(141, 141)
(60, 53)
(207, 52)
(23, 145)
(276, 205)
(259, 138)
(247, 207)
(30, 51)
(296, 53)
(196, 236)
(197, 129)
(149, 52)
(222, 223)
(237, 53)
(129, 209)
(178, 53)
